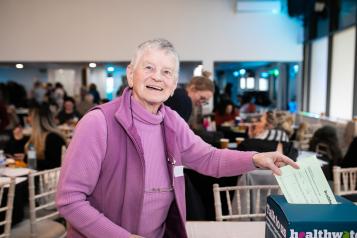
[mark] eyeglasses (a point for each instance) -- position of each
(203, 100)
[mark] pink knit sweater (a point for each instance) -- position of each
(156, 204)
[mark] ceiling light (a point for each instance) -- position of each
(92, 65)
(110, 69)
(19, 66)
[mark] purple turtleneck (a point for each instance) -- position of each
(156, 204)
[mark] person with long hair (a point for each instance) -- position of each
(225, 113)
(45, 137)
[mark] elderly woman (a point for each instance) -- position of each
(128, 181)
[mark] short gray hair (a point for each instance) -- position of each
(159, 43)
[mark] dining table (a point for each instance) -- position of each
(227, 229)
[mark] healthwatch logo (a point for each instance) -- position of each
(322, 234)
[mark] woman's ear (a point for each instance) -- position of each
(129, 75)
(174, 88)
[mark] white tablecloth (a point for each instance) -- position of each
(213, 229)
(307, 154)
(6, 173)
(15, 172)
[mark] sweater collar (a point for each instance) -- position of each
(124, 112)
(123, 115)
(142, 115)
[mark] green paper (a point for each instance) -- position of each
(306, 185)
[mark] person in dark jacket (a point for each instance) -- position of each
(93, 90)
(69, 113)
(328, 136)
(198, 91)
(17, 142)
(350, 159)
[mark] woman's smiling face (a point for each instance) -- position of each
(153, 78)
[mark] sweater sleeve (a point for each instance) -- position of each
(206, 159)
(79, 175)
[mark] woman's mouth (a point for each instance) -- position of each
(153, 87)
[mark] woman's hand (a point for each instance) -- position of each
(273, 161)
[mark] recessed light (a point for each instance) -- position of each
(19, 66)
(92, 65)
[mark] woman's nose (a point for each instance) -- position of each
(157, 75)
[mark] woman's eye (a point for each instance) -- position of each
(167, 72)
(149, 67)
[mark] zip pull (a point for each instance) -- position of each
(172, 170)
(173, 162)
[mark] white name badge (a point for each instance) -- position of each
(178, 171)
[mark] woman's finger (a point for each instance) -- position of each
(280, 164)
(273, 167)
(289, 161)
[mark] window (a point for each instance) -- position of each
(263, 84)
(242, 83)
(250, 83)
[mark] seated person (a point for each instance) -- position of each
(45, 137)
(197, 92)
(285, 122)
(16, 144)
(225, 113)
(302, 131)
(268, 129)
(259, 145)
(86, 104)
(68, 114)
(350, 159)
(328, 136)
(248, 105)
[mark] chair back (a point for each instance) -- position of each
(344, 180)
(43, 212)
(237, 211)
(42, 191)
(6, 206)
